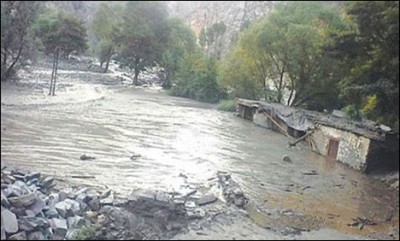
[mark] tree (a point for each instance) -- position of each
(197, 78)
(369, 59)
(106, 27)
(60, 33)
(16, 19)
(143, 36)
(181, 42)
(286, 48)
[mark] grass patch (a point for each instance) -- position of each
(227, 105)
(85, 233)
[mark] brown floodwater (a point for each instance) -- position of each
(96, 115)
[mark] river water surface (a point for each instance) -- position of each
(96, 115)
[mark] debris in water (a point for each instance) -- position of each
(84, 157)
(135, 156)
(313, 172)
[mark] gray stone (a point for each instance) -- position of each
(22, 186)
(286, 158)
(32, 175)
(75, 207)
(36, 236)
(82, 198)
(30, 223)
(142, 195)
(53, 199)
(30, 213)
(84, 157)
(71, 234)
(106, 193)
(196, 213)
(18, 236)
(47, 182)
(238, 192)
(239, 202)
(108, 200)
(75, 222)
(59, 227)
(162, 198)
(19, 177)
(62, 208)
(92, 194)
(37, 206)
(8, 179)
(94, 204)
(4, 200)
(9, 221)
(67, 193)
(207, 199)
(32, 181)
(385, 128)
(51, 213)
(190, 204)
(24, 200)
(162, 216)
(82, 190)
(3, 233)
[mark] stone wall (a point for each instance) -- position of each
(353, 149)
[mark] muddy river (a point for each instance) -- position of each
(97, 115)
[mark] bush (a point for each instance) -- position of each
(85, 233)
(227, 105)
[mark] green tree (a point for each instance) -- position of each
(369, 59)
(143, 36)
(59, 32)
(181, 41)
(197, 78)
(106, 27)
(16, 40)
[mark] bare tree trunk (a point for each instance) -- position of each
(55, 73)
(136, 72)
(291, 93)
(8, 72)
(52, 72)
(108, 59)
(280, 85)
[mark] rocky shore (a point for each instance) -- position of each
(33, 208)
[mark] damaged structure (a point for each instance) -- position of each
(365, 146)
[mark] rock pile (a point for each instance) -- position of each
(231, 190)
(31, 208)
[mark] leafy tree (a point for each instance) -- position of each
(16, 41)
(369, 59)
(143, 36)
(286, 48)
(181, 41)
(60, 33)
(106, 27)
(197, 78)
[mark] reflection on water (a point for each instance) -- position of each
(175, 135)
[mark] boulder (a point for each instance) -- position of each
(59, 227)
(51, 213)
(62, 208)
(37, 206)
(4, 200)
(85, 158)
(108, 200)
(142, 195)
(36, 236)
(94, 204)
(207, 199)
(74, 206)
(9, 221)
(47, 182)
(196, 213)
(106, 193)
(26, 223)
(75, 222)
(22, 186)
(18, 236)
(32, 175)
(53, 199)
(3, 233)
(8, 179)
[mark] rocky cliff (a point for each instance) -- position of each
(235, 16)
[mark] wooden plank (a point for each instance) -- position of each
(301, 138)
(279, 126)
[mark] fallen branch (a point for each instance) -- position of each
(81, 176)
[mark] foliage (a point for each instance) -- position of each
(227, 105)
(144, 35)
(84, 233)
(180, 42)
(16, 39)
(197, 78)
(106, 28)
(211, 35)
(353, 112)
(284, 50)
(58, 30)
(369, 59)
